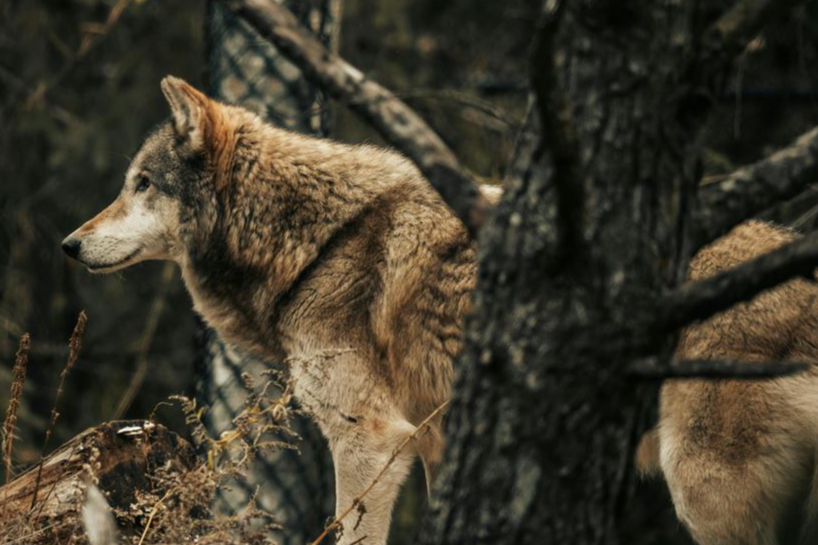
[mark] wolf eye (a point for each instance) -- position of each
(142, 183)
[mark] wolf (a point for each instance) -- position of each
(341, 259)
(740, 457)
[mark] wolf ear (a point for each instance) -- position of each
(189, 109)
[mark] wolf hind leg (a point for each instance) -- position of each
(360, 456)
(721, 505)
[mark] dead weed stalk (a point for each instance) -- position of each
(74, 346)
(18, 380)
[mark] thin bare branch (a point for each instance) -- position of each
(559, 135)
(700, 300)
(652, 369)
(728, 201)
(17, 384)
(731, 33)
(74, 345)
(390, 116)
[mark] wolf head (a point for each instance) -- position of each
(179, 168)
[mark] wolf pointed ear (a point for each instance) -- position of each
(189, 109)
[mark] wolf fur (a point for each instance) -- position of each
(740, 457)
(340, 258)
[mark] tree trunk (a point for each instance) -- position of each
(593, 228)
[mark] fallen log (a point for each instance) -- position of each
(119, 455)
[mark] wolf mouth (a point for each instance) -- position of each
(101, 267)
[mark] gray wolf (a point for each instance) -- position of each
(342, 259)
(740, 457)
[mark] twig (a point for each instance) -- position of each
(729, 200)
(18, 381)
(152, 514)
(88, 42)
(701, 300)
(75, 344)
(391, 117)
(559, 135)
(336, 521)
(651, 368)
(145, 342)
(734, 30)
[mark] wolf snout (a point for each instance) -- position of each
(71, 246)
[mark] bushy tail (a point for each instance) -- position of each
(492, 193)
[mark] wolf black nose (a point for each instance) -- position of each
(71, 246)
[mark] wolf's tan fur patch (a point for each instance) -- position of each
(739, 456)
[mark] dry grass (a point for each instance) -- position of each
(175, 505)
(74, 346)
(18, 380)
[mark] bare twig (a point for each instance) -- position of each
(18, 380)
(75, 344)
(734, 30)
(729, 200)
(145, 341)
(700, 300)
(152, 514)
(89, 41)
(558, 132)
(336, 521)
(651, 368)
(391, 117)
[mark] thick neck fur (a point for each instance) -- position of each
(286, 197)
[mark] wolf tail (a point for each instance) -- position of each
(647, 454)
(492, 193)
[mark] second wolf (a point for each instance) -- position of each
(342, 259)
(741, 456)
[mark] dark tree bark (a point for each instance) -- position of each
(544, 417)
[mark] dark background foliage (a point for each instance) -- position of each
(70, 116)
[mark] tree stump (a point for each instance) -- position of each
(121, 455)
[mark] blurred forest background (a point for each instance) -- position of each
(79, 88)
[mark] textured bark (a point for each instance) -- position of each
(545, 415)
(727, 201)
(651, 368)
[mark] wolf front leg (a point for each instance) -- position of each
(370, 467)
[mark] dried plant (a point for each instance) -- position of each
(74, 346)
(17, 382)
(175, 506)
(262, 425)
